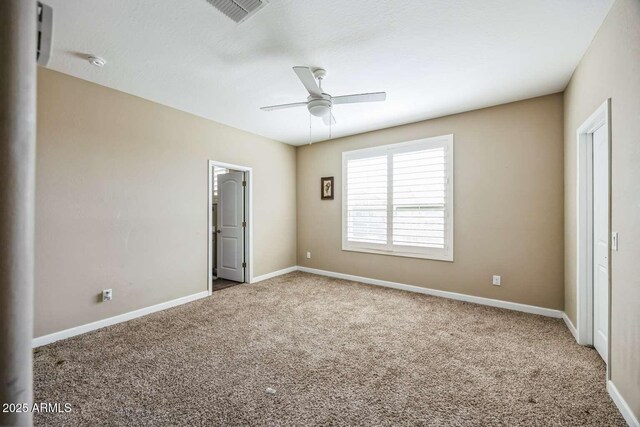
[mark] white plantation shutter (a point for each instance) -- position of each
(367, 200)
(419, 196)
(398, 199)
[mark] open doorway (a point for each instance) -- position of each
(229, 237)
(594, 231)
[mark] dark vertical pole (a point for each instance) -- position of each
(17, 188)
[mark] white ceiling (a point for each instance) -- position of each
(433, 57)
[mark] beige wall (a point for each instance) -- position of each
(508, 205)
(121, 201)
(611, 69)
(122, 182)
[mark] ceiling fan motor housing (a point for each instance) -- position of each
(319, 107)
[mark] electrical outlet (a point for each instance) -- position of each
(496, 280)
(107, 295)
(308, 255)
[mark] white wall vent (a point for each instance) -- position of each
(45, 34)
(238, 10)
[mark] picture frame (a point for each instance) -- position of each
(326, 188)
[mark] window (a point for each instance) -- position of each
(217, 171)
(398, 199)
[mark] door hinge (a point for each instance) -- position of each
(244, 183)
(244, 223)
(244, 264)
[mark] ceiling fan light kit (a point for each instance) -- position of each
(319, 107)
(319, 103)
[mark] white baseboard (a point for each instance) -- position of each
(274, 274)
(78, 330)
(619, 401)
(570, 326)
(67, 333)
(444, 294)
(622, 405)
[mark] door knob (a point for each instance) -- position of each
(218, 231)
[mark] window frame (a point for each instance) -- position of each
(439, 254)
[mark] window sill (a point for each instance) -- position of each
(431, 256)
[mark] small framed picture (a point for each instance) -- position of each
(326, 188)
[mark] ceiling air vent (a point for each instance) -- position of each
(238, 10)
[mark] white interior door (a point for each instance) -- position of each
(230, 227)
(601, 241)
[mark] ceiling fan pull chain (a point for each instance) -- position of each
(309, 128)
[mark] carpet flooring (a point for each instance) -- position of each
(303, 350)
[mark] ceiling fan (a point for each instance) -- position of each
(319, 103)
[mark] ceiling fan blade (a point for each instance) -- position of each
(283, 106)
(361, 97)
(325, 119)
(306, 77)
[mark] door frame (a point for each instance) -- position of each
(584, 327)
(248, 207)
